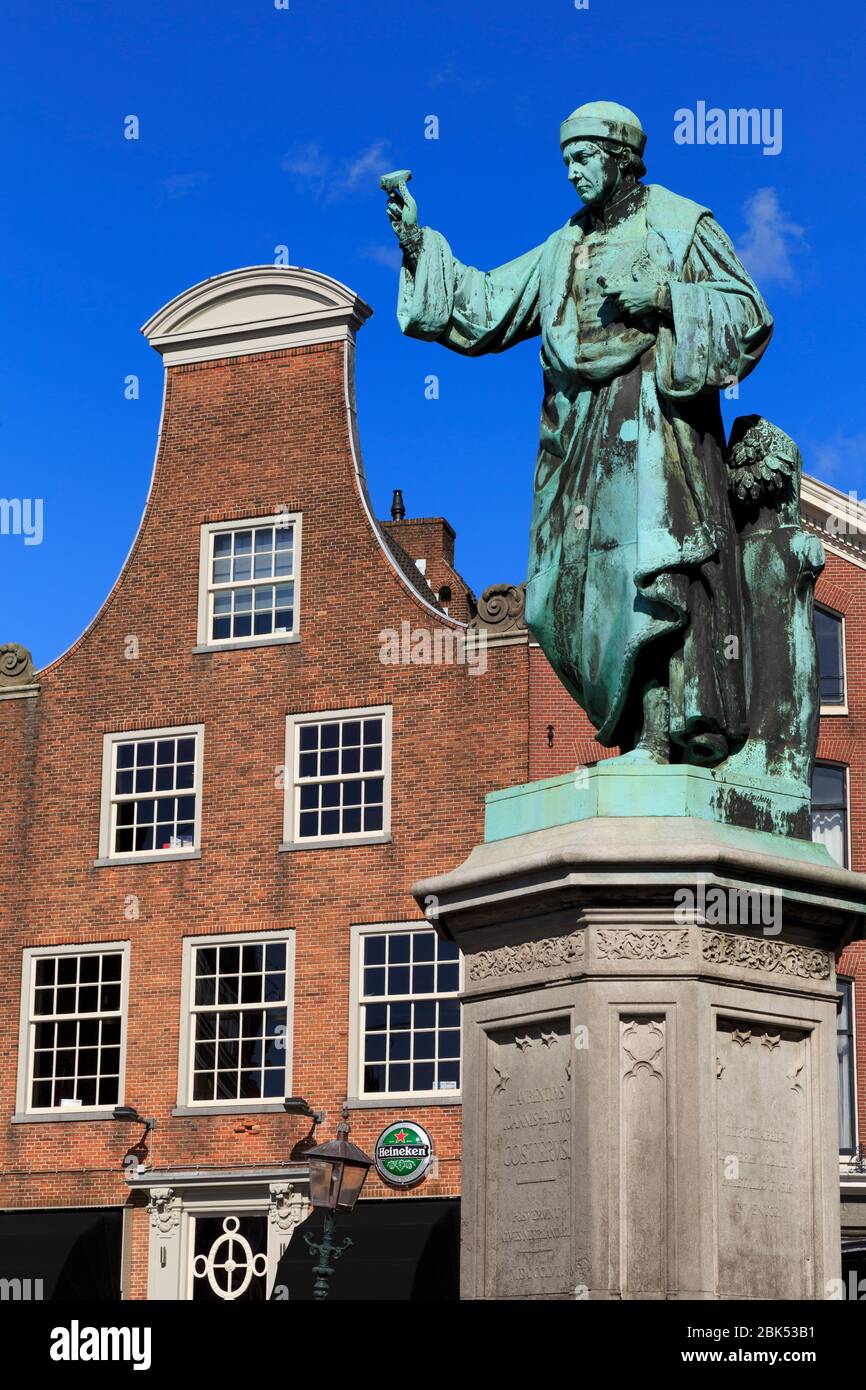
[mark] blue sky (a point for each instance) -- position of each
(262, 126)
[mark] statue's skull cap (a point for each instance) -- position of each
(604, 120)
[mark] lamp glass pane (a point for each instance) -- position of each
(353, 1180)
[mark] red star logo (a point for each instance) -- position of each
(401, 1136)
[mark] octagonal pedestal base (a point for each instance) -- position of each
(650, 1076)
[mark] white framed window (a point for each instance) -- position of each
(338, 777)
(236, 1024)
(830, 639)
(830, 826)
(249, 582)
(405, 1013)
(73, 1029)
(151, 794)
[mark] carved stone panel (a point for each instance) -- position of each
(773, 957)
(764, 1172)
(623, 943)
(529, 1114)
(643, 1168)
(549, 953)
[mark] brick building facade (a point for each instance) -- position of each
(215, 805)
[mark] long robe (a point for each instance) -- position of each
(633, 570)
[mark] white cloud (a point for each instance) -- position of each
(389, 256)
(451, 76)
(329, 179)
(842, 456)
(179, 185)
(770, 241)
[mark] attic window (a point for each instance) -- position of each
(249, 582)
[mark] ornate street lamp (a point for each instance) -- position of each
(338, 1171)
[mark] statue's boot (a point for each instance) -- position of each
(653, 744)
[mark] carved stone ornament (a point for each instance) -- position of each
(500, 609)
(16, 667)
(642, 1043)
(642, 945)
(165, 1207)
(530, 955)
(288, 1207)
(502, 1078)
(775, 957)
(795, 1074)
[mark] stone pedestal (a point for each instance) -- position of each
(650, 1059)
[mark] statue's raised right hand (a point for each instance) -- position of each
(402, 211)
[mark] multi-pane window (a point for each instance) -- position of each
(831, 659)
(845, 1065)
(340, 785)
(239, 1041)
(74, 1026)
(830, 810)
(409, 1013)
(152, 802)
(249, 589)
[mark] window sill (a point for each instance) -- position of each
(829, 711)
(170, 857)
(403, 1103)
(350, 842)
(245, 643)
(62, 1116)
(253, 1107)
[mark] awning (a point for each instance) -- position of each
(75, 1252)
(405, 1248)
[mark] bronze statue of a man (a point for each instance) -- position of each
(645, 313)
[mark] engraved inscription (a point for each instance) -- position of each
(529, 1158)
(764, 1161)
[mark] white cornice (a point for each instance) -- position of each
(261, 308)
(838, 518)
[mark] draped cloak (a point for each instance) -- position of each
(633, 566)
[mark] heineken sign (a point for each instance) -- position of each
(404, 1152)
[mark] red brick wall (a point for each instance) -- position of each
(240, 437)
(561, 737)
(842, 586)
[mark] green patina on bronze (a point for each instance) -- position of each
(670, 580)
